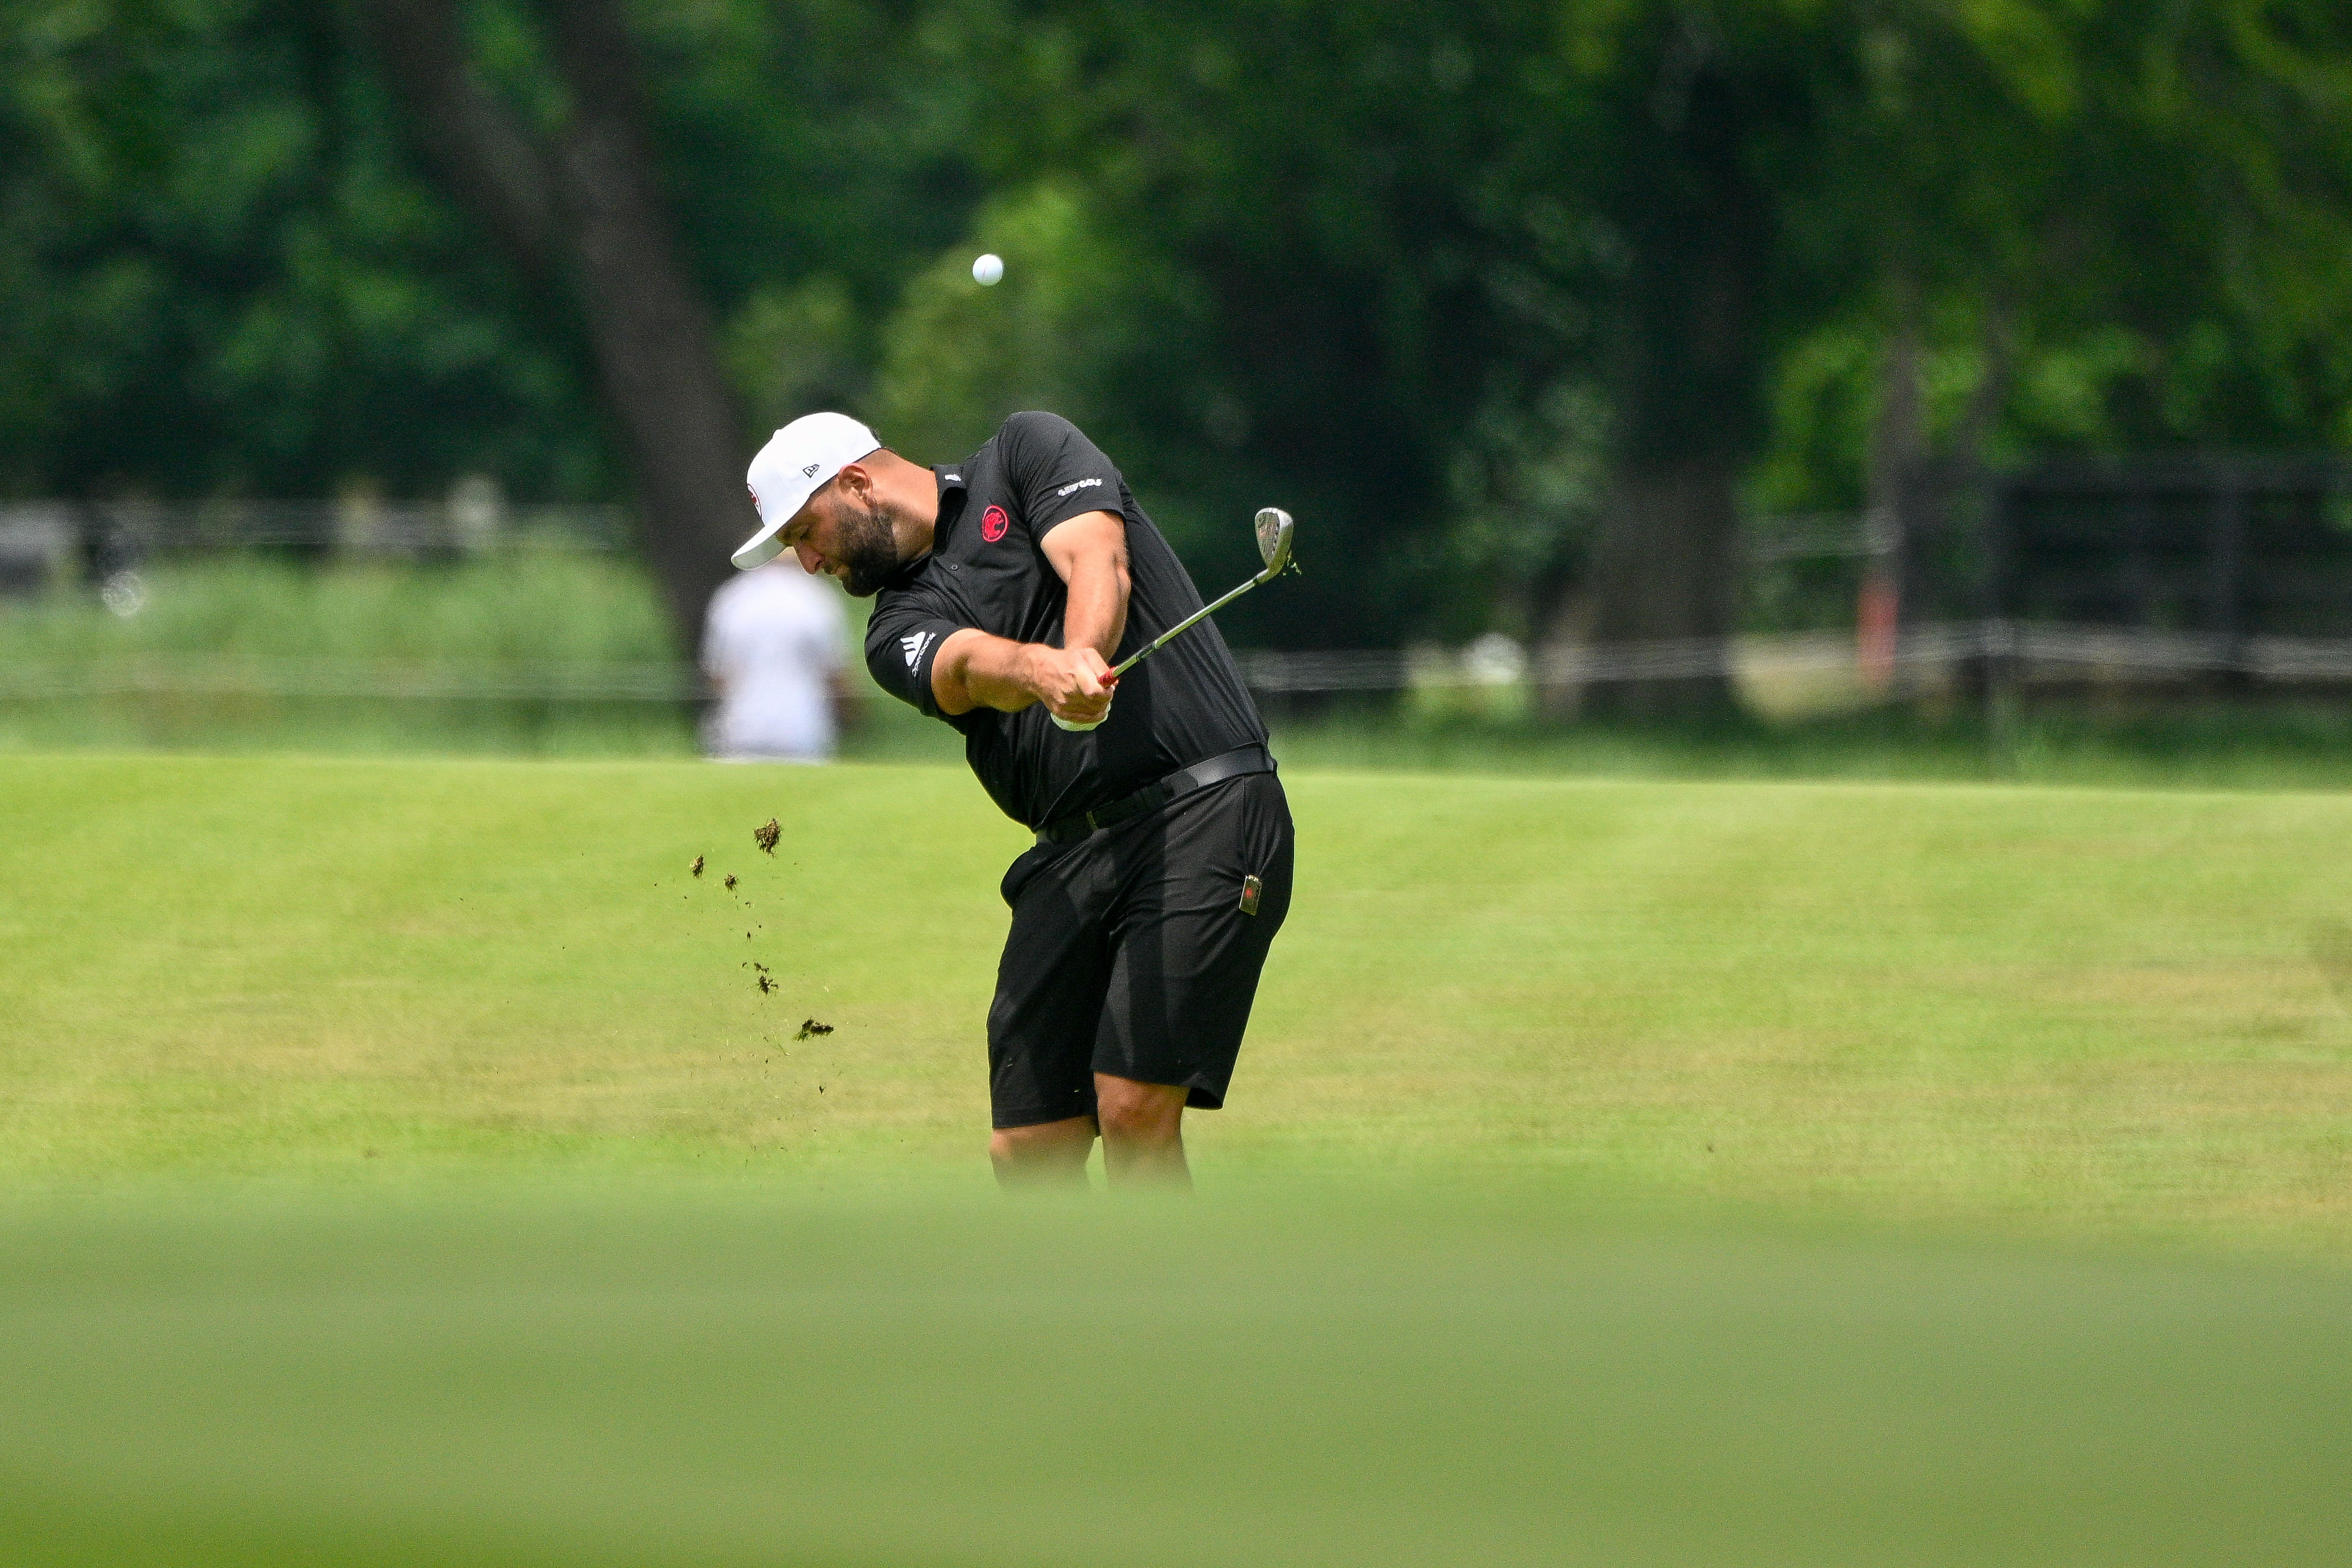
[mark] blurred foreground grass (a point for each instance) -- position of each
(406, 1171)
(680, 1377)
(2068, 1012)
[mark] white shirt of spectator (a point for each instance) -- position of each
(773, 640)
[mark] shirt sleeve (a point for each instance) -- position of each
(1056, 473)
(902, 641)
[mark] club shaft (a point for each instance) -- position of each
(1186, 624)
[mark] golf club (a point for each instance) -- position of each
(1276, 535)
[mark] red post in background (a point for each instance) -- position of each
(1875, 617)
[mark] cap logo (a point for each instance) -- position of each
(810, 472)
(993, 524)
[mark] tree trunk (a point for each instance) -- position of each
(1897, 449)
(1898, 428)
(582, 209)
(1662, 574)
(1687, 383)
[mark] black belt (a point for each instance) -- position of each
(1224, 765)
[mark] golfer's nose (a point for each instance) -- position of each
(809, 559)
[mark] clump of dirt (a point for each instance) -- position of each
(766, 835)
(766, 985)
(730, 881)
(696, 867)
(810, 1026)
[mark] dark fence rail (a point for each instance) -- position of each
(2226, 545)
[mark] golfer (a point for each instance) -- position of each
(1005, 587)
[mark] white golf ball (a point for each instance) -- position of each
(988, 269)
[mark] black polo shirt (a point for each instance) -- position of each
(985, 570)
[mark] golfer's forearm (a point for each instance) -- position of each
(973, 669)
(1096, 616)
(1089, 553)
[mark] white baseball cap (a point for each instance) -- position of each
(798, 460)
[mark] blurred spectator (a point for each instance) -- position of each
(774, 647)
(35, 543)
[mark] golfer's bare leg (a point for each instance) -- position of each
(1050, 1154)
(1142, 1132)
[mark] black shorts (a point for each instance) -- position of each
(1131, 952)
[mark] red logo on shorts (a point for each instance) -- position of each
(993, 524)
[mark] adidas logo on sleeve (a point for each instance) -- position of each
(912, 646)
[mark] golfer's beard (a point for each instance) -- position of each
(867, 551)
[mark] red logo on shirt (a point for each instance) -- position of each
(993, 524)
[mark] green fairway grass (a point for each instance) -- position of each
(407, 1170)
(679, 1380)
(2075, 1012)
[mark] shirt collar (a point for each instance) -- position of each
(953, 489)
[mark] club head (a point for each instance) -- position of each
(1276, 535)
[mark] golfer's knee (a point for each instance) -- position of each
(1147, 1114)
(1050, 1143)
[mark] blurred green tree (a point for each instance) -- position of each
(1520, 304)
(1519, 298)
(231, 275)
(568, 184)
(224, 277)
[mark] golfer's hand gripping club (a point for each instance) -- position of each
(1277, 537)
